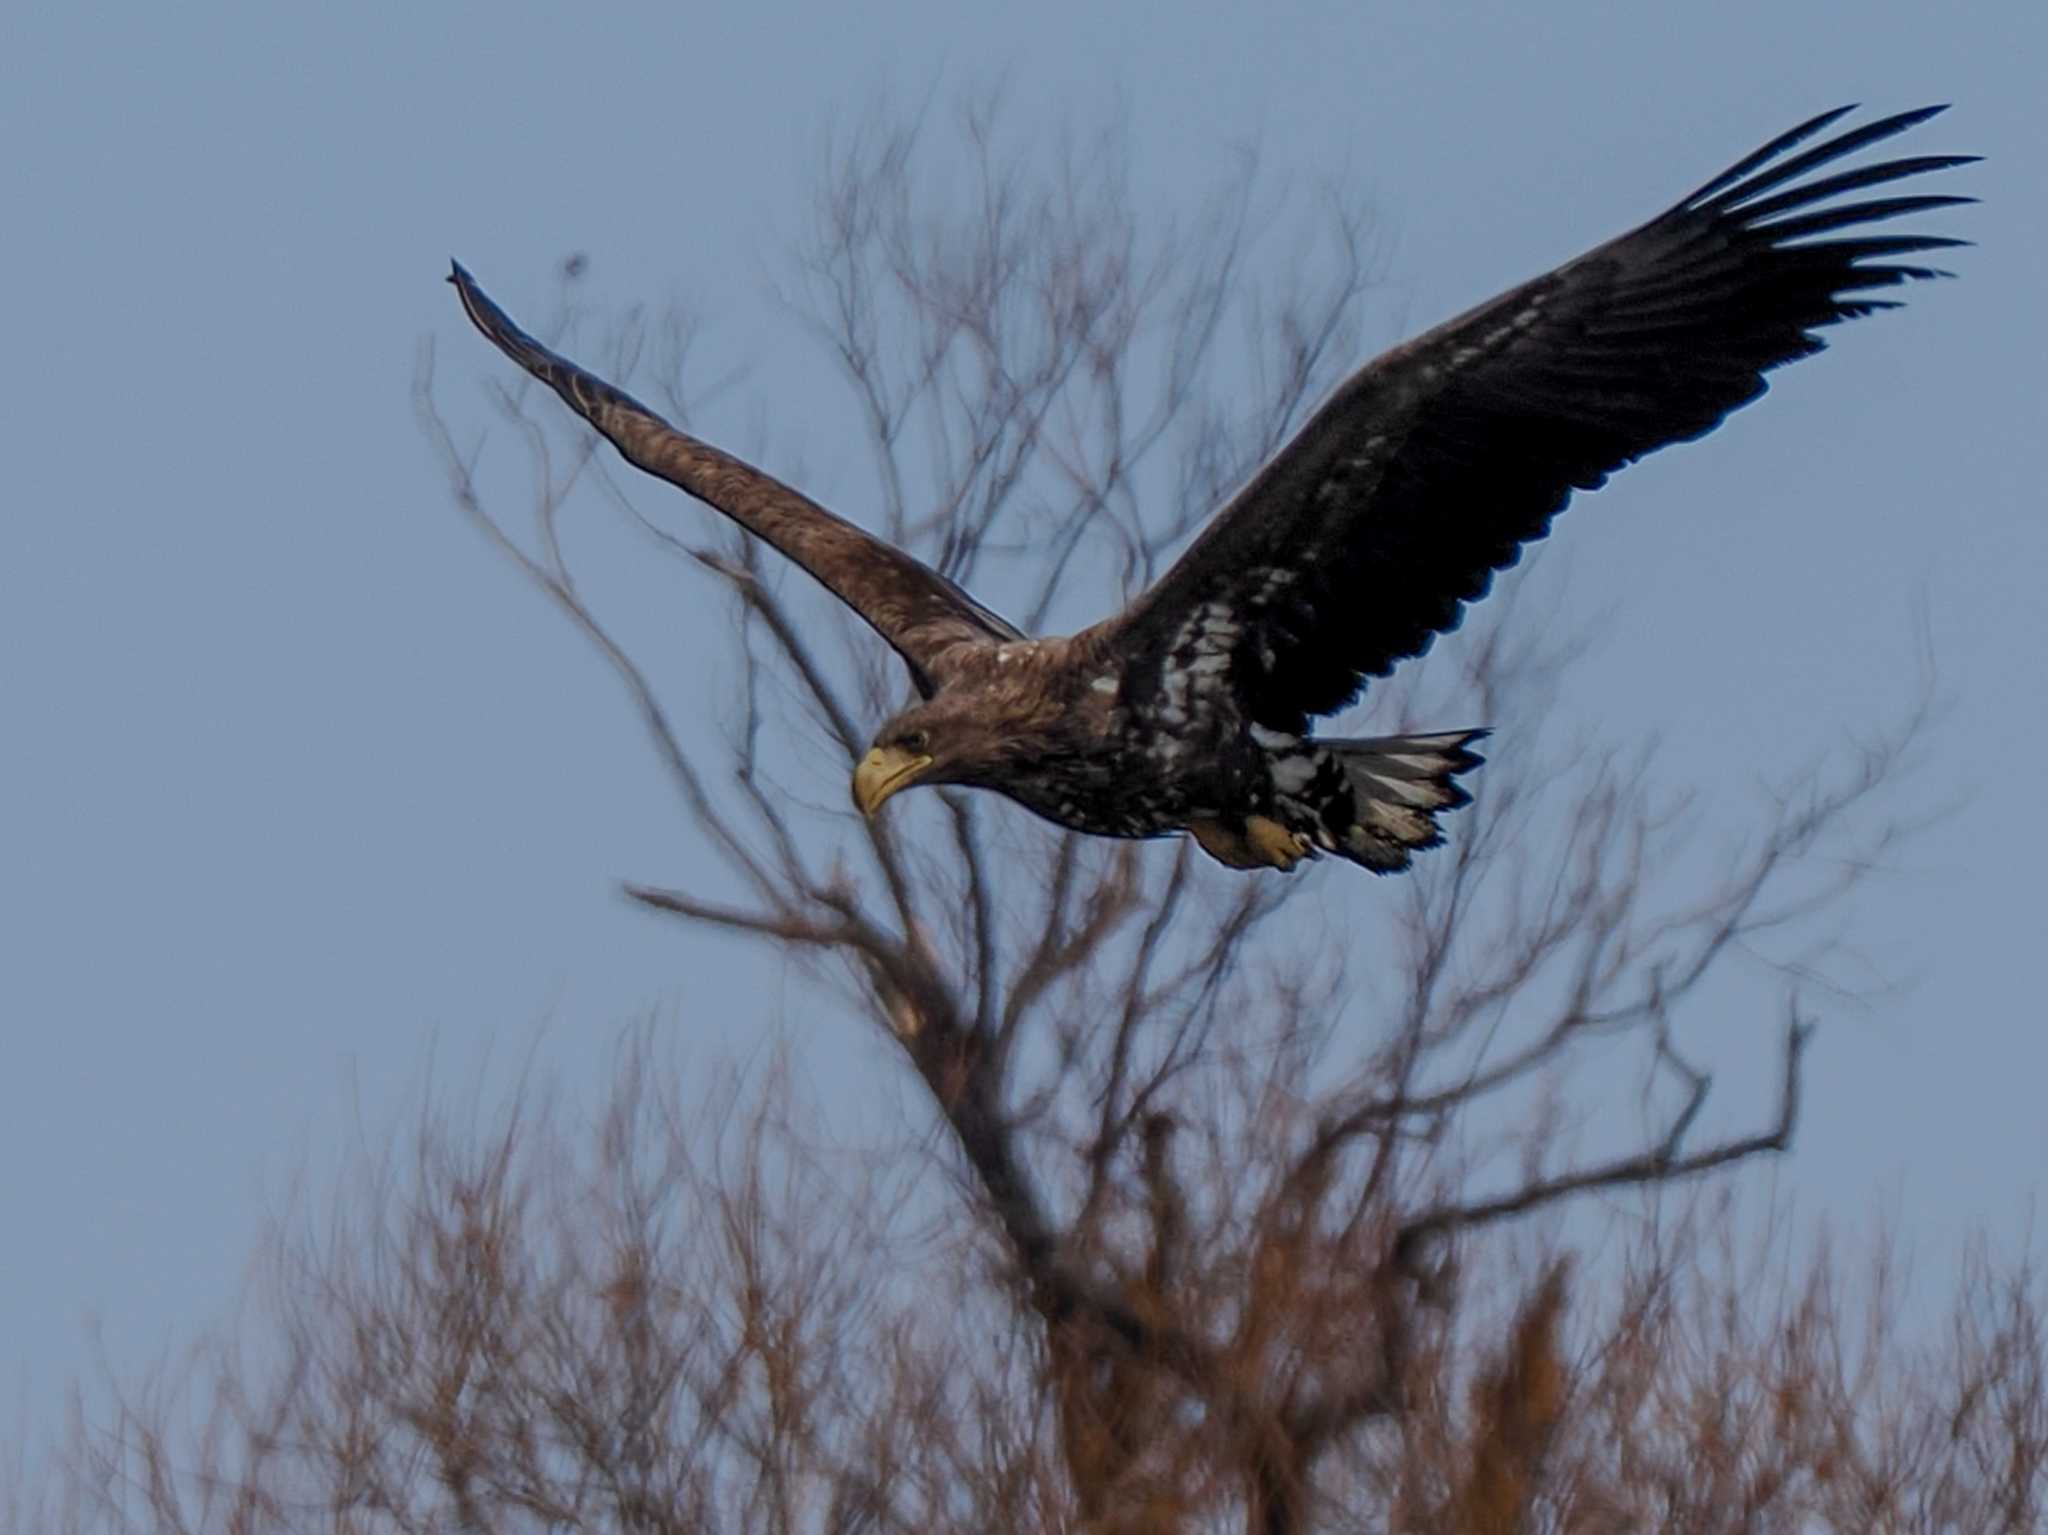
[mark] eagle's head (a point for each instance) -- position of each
(943, 740)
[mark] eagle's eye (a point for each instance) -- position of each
(919, 741)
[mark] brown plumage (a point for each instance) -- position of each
(1357, 544)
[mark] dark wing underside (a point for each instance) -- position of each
(1428, 470)
(912, 606)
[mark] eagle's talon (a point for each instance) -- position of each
(1260, 843)
(1277, 845)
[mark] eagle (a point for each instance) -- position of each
(1354, 546)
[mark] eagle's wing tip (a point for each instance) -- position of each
(1912, 117)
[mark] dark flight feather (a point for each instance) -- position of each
(1427, 471)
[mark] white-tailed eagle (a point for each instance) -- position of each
(1357, 544)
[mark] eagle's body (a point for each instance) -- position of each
(1083, 758)
(1079, 756)
(1356, 545)
(1090, 744)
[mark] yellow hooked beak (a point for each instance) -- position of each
(882, 772)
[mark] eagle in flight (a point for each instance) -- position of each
(1359, 542)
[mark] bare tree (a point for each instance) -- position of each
(1103, 1027)
(1238, 1146)
(682, 1314)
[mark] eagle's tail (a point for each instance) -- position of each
(1395, 785)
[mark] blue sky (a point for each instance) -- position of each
(300, 789)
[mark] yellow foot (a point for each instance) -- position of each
(1259, 843)
(1276, 845)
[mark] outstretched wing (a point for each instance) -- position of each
(912, 606)
(1428, 470)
